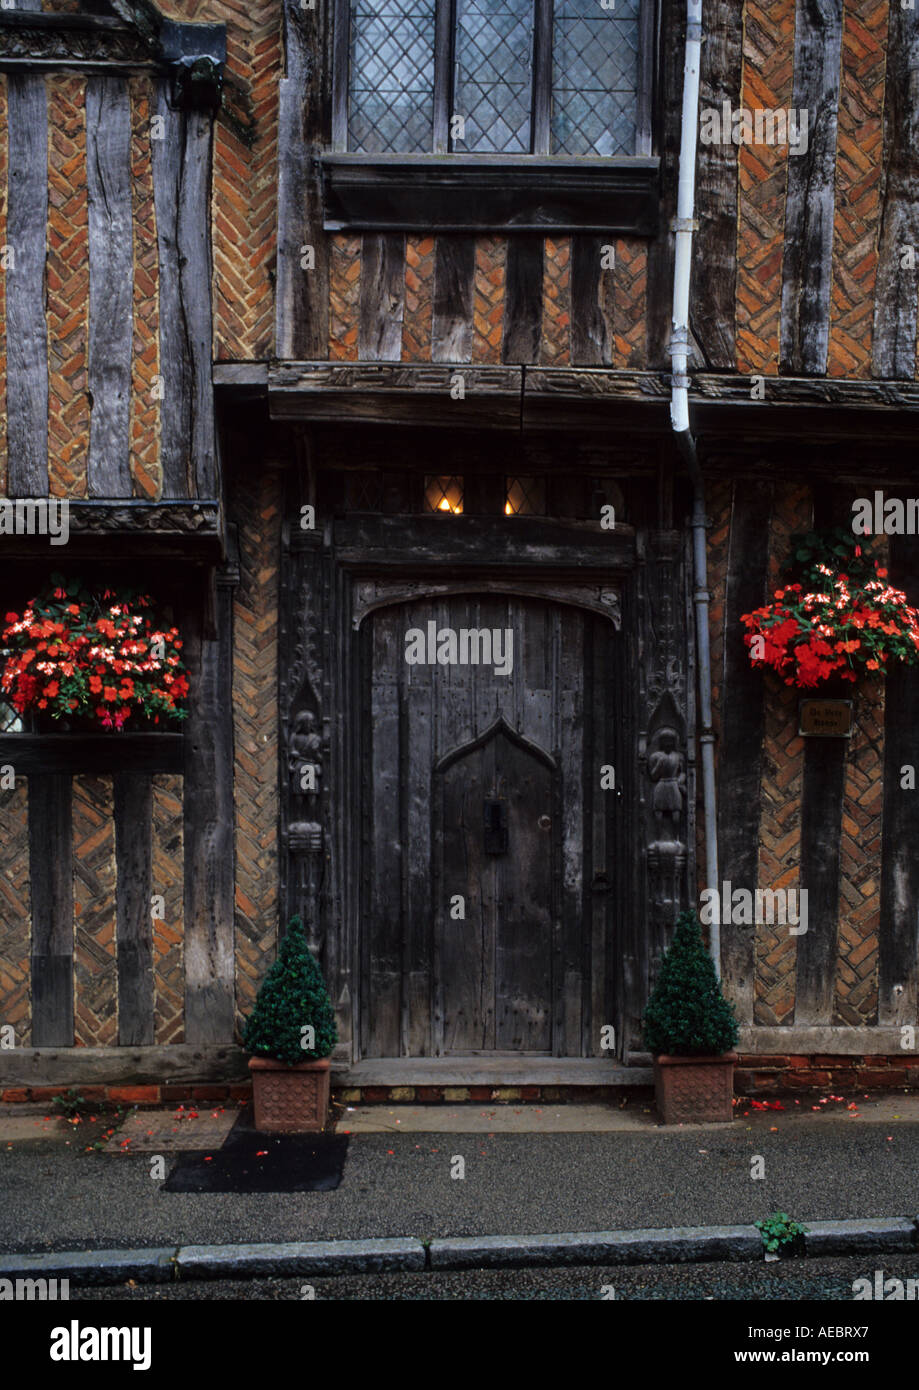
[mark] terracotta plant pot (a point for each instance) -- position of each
(290, 1099)
(694, 1090)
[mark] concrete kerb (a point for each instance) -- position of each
(320, 1257)
(675, 1246)
(400, 1254)
(149, 1266)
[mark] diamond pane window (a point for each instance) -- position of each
(443, 494)
(10, 718)
(391, 99)
(494, 74)
(594, 77)
(363, 491)
(525, 497)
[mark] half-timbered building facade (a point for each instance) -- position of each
(351, 330)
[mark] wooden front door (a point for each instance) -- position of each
(496, 838)
(488, 845)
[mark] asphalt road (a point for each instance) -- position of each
(400, 1184)
(790, 1282)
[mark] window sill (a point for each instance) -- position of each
(489, 193)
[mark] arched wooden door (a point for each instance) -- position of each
(486, 787)
(496, 839)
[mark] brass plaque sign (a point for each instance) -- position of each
(825, 718)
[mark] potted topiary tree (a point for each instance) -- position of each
(690, 1028)
(290, 1033)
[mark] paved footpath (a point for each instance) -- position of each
(566, 1177)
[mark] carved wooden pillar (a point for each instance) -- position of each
(666, 748)
(313, 740)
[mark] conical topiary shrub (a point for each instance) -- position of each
(292, 998)
(687, 1015)
(690, 1028)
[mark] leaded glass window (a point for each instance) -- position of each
(494, 75)
(550, 77)
(443, 494)
(391, 97)
(594, 77)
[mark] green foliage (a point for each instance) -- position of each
(778, 1230)
(839, 550)
(687, 1015)
(70, 1104)
(292, 997)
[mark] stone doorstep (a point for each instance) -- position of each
(677, 1245)
(495, 1118)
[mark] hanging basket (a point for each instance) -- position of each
(833, 619)
(79, 661)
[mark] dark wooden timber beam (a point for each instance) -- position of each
(582, 397)
(714, 269)
(810, 200)
(86, 43)
(302, 292)
(52, 755)
(898, 275)
(26, 329)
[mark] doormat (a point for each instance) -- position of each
(250, 1161)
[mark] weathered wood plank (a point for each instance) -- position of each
(822, 799)
(489, 194)
(740, 749)
(384, 541)
(181, 183)
(591, 303)
(523, 302)
(381, 914)
(302, 295)
(714, 270)
(50, 849)
(209, 821)
(899, 930)
(542, 76)
(465, 981)
(444, 21)
(523, 938)
(98, 754)
(421, 710)
(810, 200)
(111, 273)
(194, 244)
(341, 41)
(26, 332)
(136, 1066)
(669, 103)
(494, 1069)
(133, 802)
(382, 298)
(454, 278)
(41, 1066)
(577, 825)
(175, 406)
(897, 285)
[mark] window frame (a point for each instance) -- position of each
(541, 95)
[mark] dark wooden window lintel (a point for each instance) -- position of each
(472, 193)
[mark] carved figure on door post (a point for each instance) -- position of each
(667, 770)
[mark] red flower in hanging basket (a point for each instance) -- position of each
(100, 657)
(842, 621)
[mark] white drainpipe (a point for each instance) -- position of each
(684, 227)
